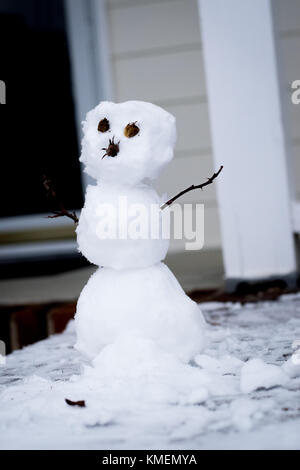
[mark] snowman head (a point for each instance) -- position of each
(128, 142)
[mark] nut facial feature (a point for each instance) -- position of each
(131, 130)
(112, 150)
(103, 125)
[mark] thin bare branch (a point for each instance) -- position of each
(191, 188)
(51, 193)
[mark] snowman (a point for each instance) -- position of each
(124, 148)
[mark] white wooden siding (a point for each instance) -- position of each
(133, 29)
(287, 29)
(157, 57)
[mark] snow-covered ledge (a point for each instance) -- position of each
(248, 139)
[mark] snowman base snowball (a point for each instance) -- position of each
(148, 303)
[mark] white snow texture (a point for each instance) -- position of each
(138, 397)
(147, 302)
(140, 157)
(112, 204)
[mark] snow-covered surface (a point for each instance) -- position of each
(242, 391)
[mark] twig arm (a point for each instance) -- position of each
(192, 187)
(51, 193)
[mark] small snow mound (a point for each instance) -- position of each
(139, 369)
(226, 364)
(257, 374)
(133, 356)
(245, 412)
(292, 368)
(195, 397)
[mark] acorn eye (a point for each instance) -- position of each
(131, 130)
(104, 125)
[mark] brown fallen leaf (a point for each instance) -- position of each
(80, 403)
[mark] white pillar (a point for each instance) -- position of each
(248, 139)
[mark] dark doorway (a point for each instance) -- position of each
(38, 132)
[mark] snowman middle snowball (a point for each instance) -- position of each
(124, 147)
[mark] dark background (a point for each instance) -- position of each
(38, 133)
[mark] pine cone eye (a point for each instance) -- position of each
(103, 125)
(131, 130)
